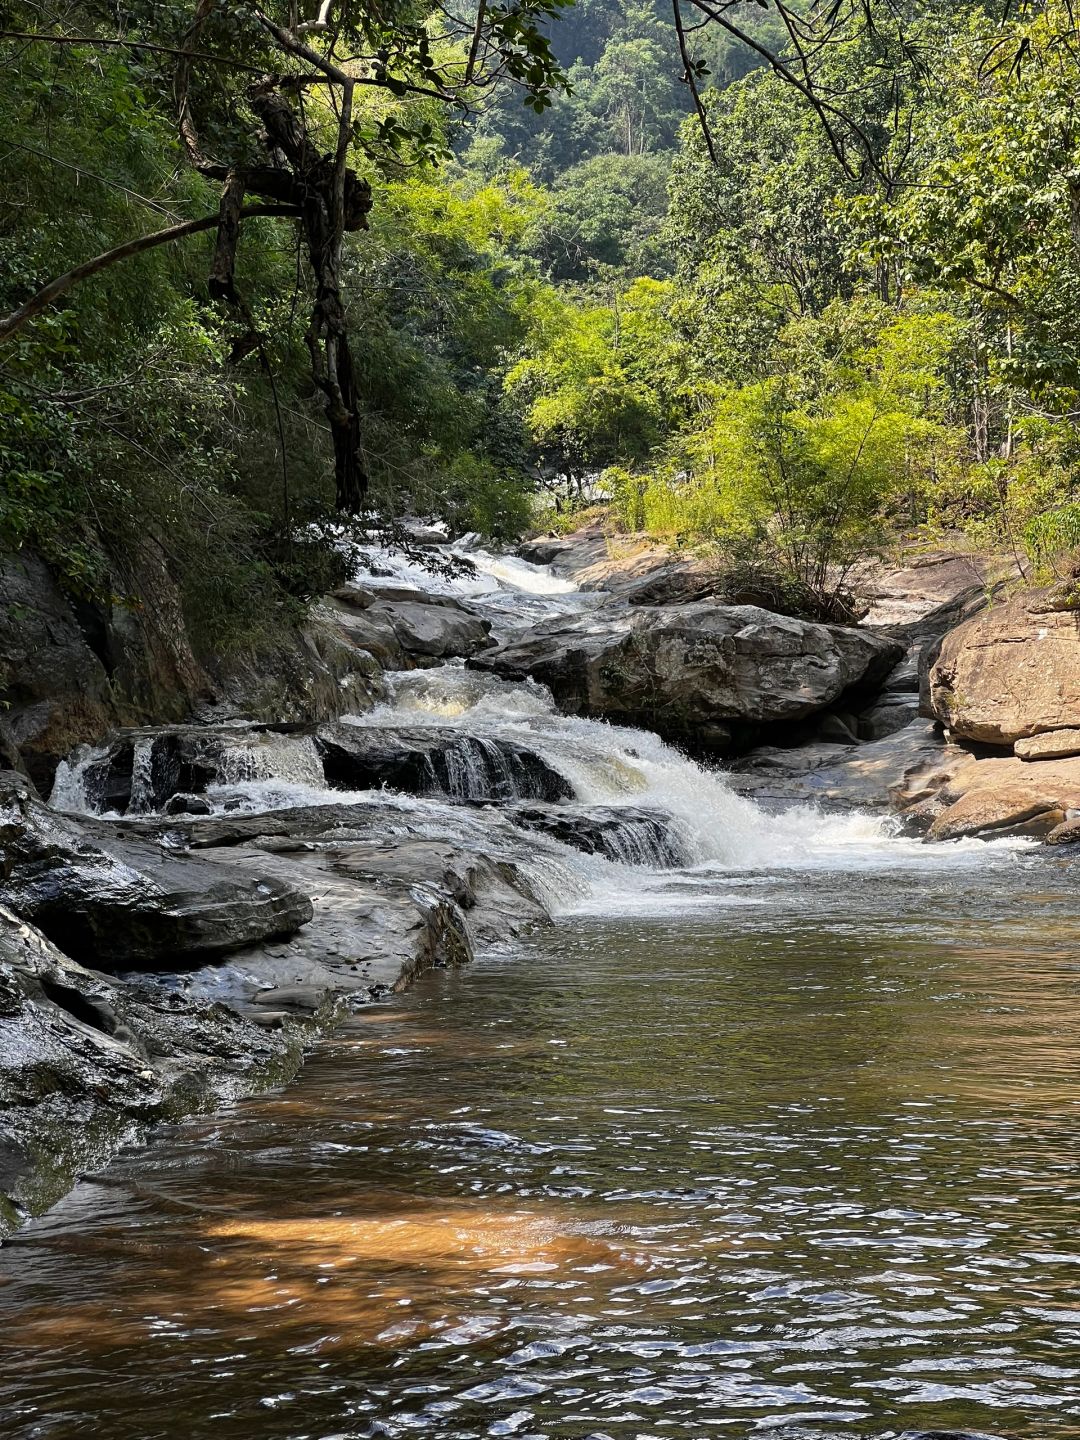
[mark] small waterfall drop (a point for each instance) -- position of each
(612, 765)
(290, 759)
(596, 814)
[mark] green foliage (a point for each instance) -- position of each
(759, 218)
(603, 219)
(803, 472)
(600, 385)
(765, 353)
(132, 422)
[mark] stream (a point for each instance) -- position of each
(778, 1139)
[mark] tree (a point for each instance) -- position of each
(265, 101)
(603, 219)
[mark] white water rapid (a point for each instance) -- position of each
(685, 828)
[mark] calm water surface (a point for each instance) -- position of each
(803, 1158)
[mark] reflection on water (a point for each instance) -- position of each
(810, 1163)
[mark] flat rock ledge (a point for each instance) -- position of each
(150, 969)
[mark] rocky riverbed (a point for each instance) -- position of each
(207, 891)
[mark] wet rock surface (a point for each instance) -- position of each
(285, 917)
(624, 834)
(861, 777)
(87, 1060)
(436, 762)
(115, 902)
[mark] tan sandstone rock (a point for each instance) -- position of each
(1053, 745)
(969, 795)
(1010, 672)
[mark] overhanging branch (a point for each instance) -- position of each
(10, 324)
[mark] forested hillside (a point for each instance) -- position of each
(821, 293)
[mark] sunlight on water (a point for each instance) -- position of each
(804, 1166)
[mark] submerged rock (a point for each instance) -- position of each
(698, 671)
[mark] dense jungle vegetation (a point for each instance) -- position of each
(780, 281)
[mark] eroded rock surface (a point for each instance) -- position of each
(1010, 672)
(983, 794)
(401, 627)
(86, 1060)
(116, 902)
(697, 671)
(430, 761)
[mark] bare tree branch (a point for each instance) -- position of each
(14, 322)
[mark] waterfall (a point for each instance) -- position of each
(262, 756)
(594, 813)
(74, 788)
(613, 765)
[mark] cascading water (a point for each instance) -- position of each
(496, 738)
(288, 759)
(613, 765)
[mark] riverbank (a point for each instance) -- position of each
(206, 897)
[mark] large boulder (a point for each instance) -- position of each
(434, 761)
(1010, 672)
(119, 903)
(403, 628)
(701, 672)
(306, 676)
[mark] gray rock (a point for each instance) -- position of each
(403, 627)
(840, 729)
(625, 834)
(369, 592)
(429, 761)
(116, 902)
(87, 1060)
(437, 632)
(188, 805)
(684, 669)
(545, 551)
(893, 711)
(860, 777)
